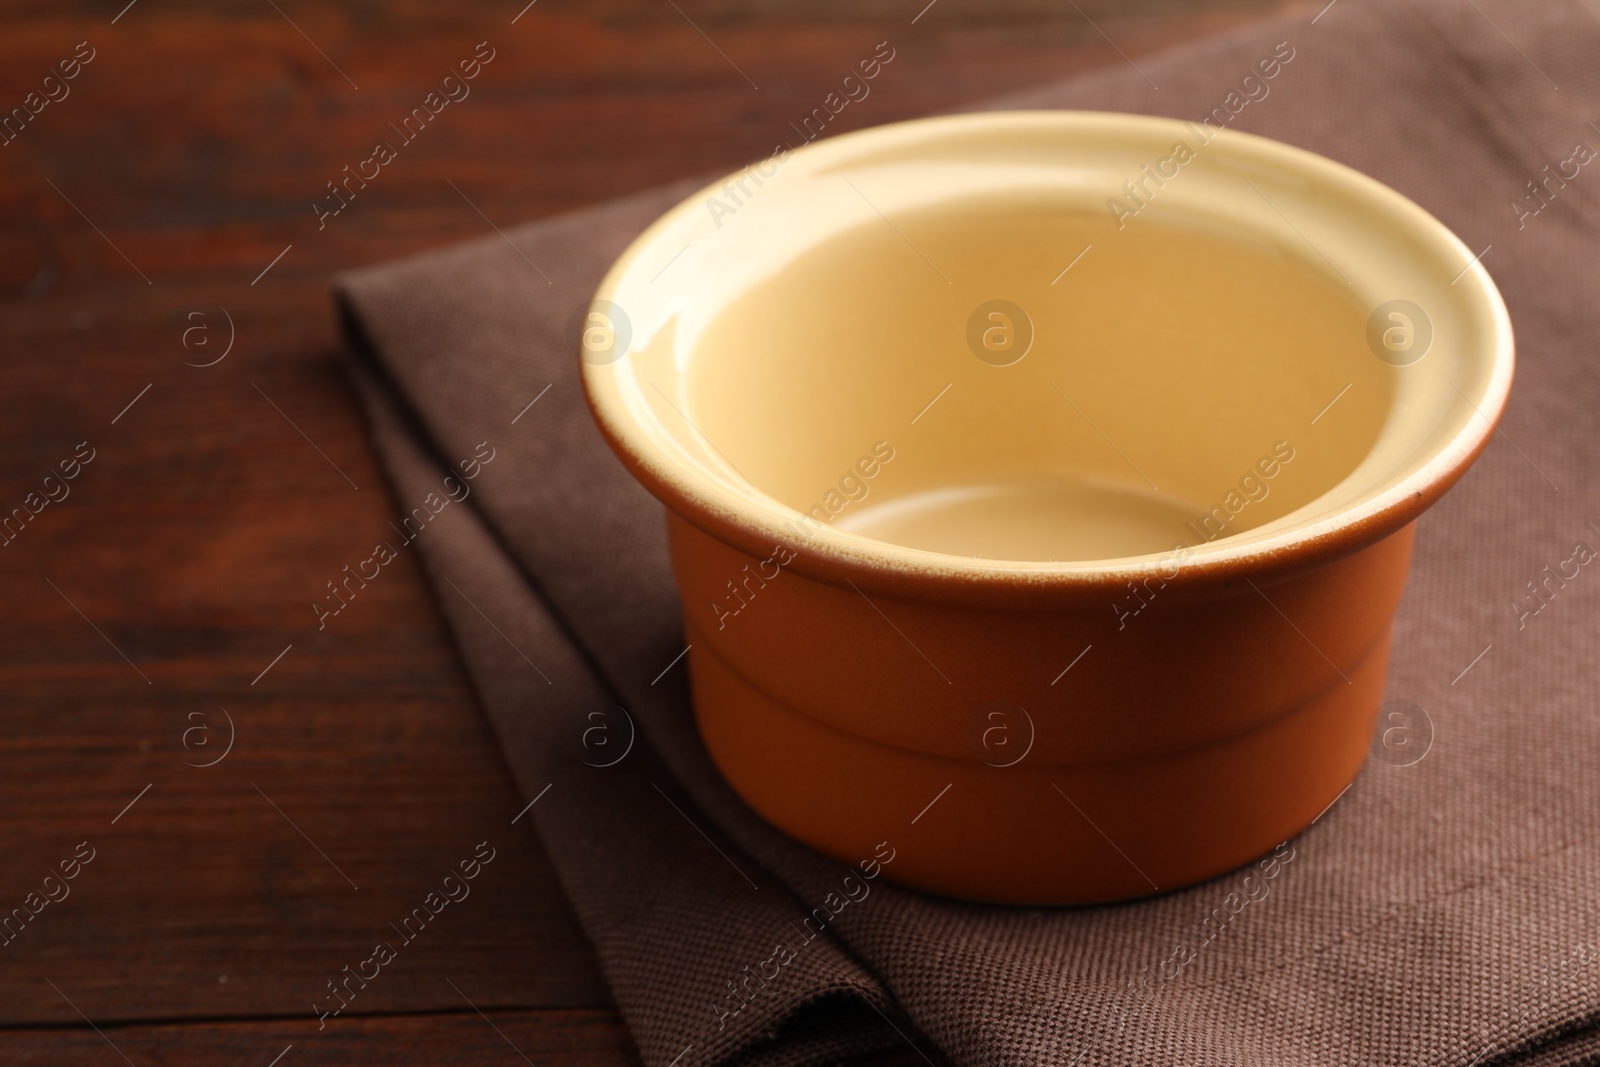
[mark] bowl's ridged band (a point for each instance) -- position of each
(1237, 733)
(1035, 833)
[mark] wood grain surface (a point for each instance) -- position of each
(159, 607)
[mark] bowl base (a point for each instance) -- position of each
(1037, 834)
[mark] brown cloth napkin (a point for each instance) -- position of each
(1442, 912)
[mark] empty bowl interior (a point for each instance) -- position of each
(1160, 392)
(1049, 339)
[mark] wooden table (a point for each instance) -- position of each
(156, 212)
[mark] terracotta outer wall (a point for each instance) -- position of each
(1193, 737)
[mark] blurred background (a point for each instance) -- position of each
(259, 796)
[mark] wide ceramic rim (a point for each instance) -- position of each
(753, 521)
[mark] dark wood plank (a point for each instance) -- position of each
(186, 157)
(195, 545)
(459, 1039)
